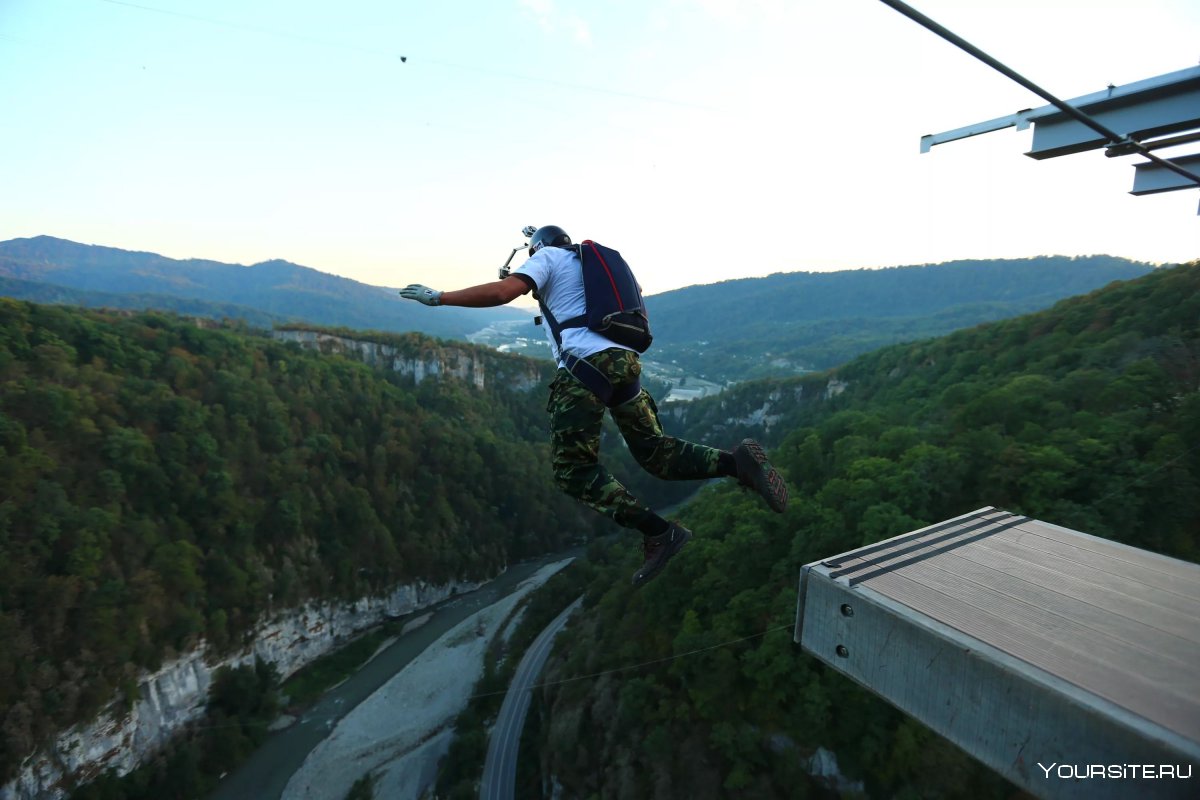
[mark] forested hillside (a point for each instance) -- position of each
(791, 322)
(1086, 415)
(43, 267)
(162, 484)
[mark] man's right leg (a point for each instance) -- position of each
(576, 416)
(575, 420)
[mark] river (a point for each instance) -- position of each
(265, 774)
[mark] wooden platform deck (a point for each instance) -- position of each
(1028, 645)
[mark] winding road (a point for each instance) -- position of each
(500, 768)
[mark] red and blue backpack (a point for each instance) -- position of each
(615, 308)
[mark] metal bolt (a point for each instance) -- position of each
(842, 651)
(847, 611)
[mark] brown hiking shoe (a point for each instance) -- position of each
(755, 471)
(659, 550)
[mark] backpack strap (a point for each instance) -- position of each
(556, 327)
(587, 374)
(599, 384)
(581, 320)
(595, 380)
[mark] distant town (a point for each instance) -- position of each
(527, 339)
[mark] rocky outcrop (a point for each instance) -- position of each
(824, 767)
(421, 358)
(834, 388)
(175, 695)
(761, 409)
(762, 415)
(821, 765)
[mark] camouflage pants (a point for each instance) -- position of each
(576, 416)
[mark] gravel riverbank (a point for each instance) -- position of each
(399, 732)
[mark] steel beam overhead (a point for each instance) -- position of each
(1167, 104)
(1173, 105)
(1124, 149)
(1150, 178)
(1019, 120)
(1116, 118)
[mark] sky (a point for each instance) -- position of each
(395, 142)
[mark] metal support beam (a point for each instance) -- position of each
(1150, 178)
(1175, 93)
(1163, 105)
(1020, 120)
(1157, 144)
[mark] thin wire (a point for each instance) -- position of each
(789, 626)
(255, 29)
(404, 59)
(1187, 452)
(602, 673)
(567, 85)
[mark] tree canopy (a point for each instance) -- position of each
(164, 484)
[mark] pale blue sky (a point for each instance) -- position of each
(705, 139)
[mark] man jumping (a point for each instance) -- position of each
(554, 273)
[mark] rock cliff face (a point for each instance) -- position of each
(421, 358)
(761, 409)
(176, 694)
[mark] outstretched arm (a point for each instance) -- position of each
(485, 295)
(496, 293)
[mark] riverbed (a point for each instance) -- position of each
(268, 771)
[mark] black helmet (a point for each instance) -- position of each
(548, 236)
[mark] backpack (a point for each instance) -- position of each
(615, 308)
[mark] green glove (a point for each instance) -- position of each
(422, 294)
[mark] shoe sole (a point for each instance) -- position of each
(639, 578)
(775, 491)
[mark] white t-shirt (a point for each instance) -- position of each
(558, 276)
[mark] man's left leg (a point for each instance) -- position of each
(663, 456)
(674, 459)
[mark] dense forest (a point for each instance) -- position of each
(163, 484)
(791, 322)
(1086, 415)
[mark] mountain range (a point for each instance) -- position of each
(46, 269)
(736, 330)
(793, 322)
